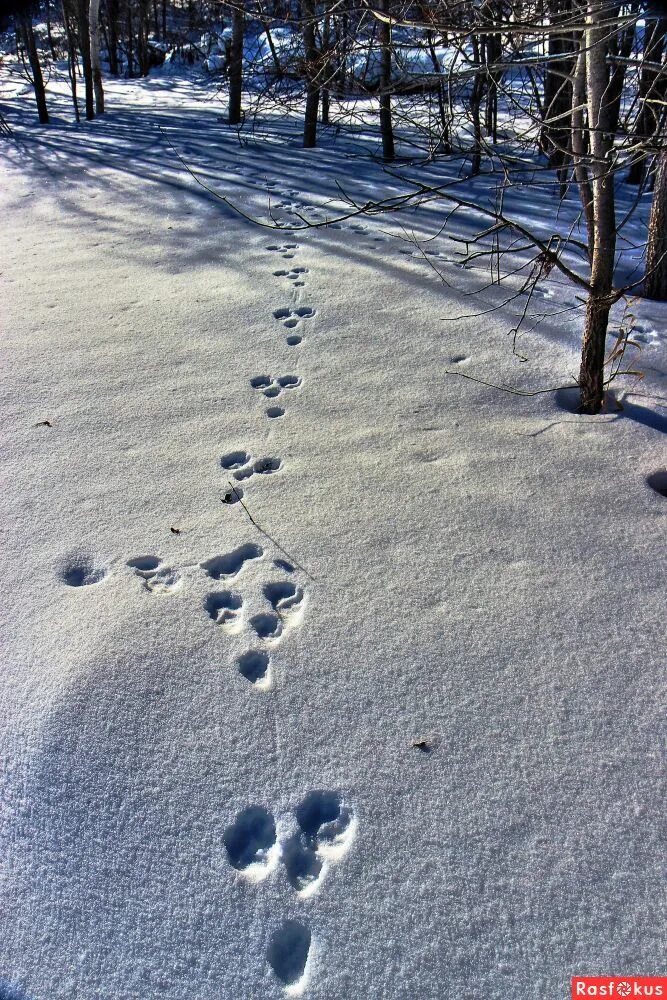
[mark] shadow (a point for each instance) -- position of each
(288, 951)
(658, 482)
(642, 415)
(317, 809)
(220, 567)
(569, 401)
(251, 835)
(254, 665)
(302, 864)
(8, 991)
(223, 606)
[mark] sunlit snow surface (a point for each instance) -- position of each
(401, 736)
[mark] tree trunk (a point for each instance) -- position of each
(49, 34)
(580, 145)
(327, 70)
(71, 58)
(130, 42)
(274, 55)
(83, 33)
(24, 24)
(591, 373)
(112, 35)
(386, 126)
(235, 115)
(443, 144)
(143, 31)
(95, 64)
(475, 105)
(655, 284)
(312, 84)
(558, 102)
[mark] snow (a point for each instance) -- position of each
(400, 734)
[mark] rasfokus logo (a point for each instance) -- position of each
(608, 987)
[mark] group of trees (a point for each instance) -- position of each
(570, 94)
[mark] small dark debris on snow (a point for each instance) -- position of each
(175, 531)
(44, 423)
(427, 745)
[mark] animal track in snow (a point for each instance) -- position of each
(293, 340)
(459, 359)
(294, 274)
(144, 566)
(326, 830)
(158, 579)
(272, 386)
(326, 827)
(274, 411)
(645, 335)
(287, 600)
(288, 953)
(232, 496)
(82, 571)
(292, 317)
(234, 460)
(266, 466)
(242, 466)
(252, 844)
(226, 609)
(231, 564)
(255, 666)
(285, 250)
(267, 626)
(164, 581)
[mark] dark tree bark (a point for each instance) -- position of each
(95, 63)
(236, 65)
(24, 25)
(83, 34)
(312, 85)
(557, 121)
(475, 106)
(130, 41)
(655, 284)
(600, 298)
(112, 10)
(386, 124)
(444, 144)
(143, 31)
(71, 57)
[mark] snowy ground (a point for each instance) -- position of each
(440, 564)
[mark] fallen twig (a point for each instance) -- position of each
(267, 535)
